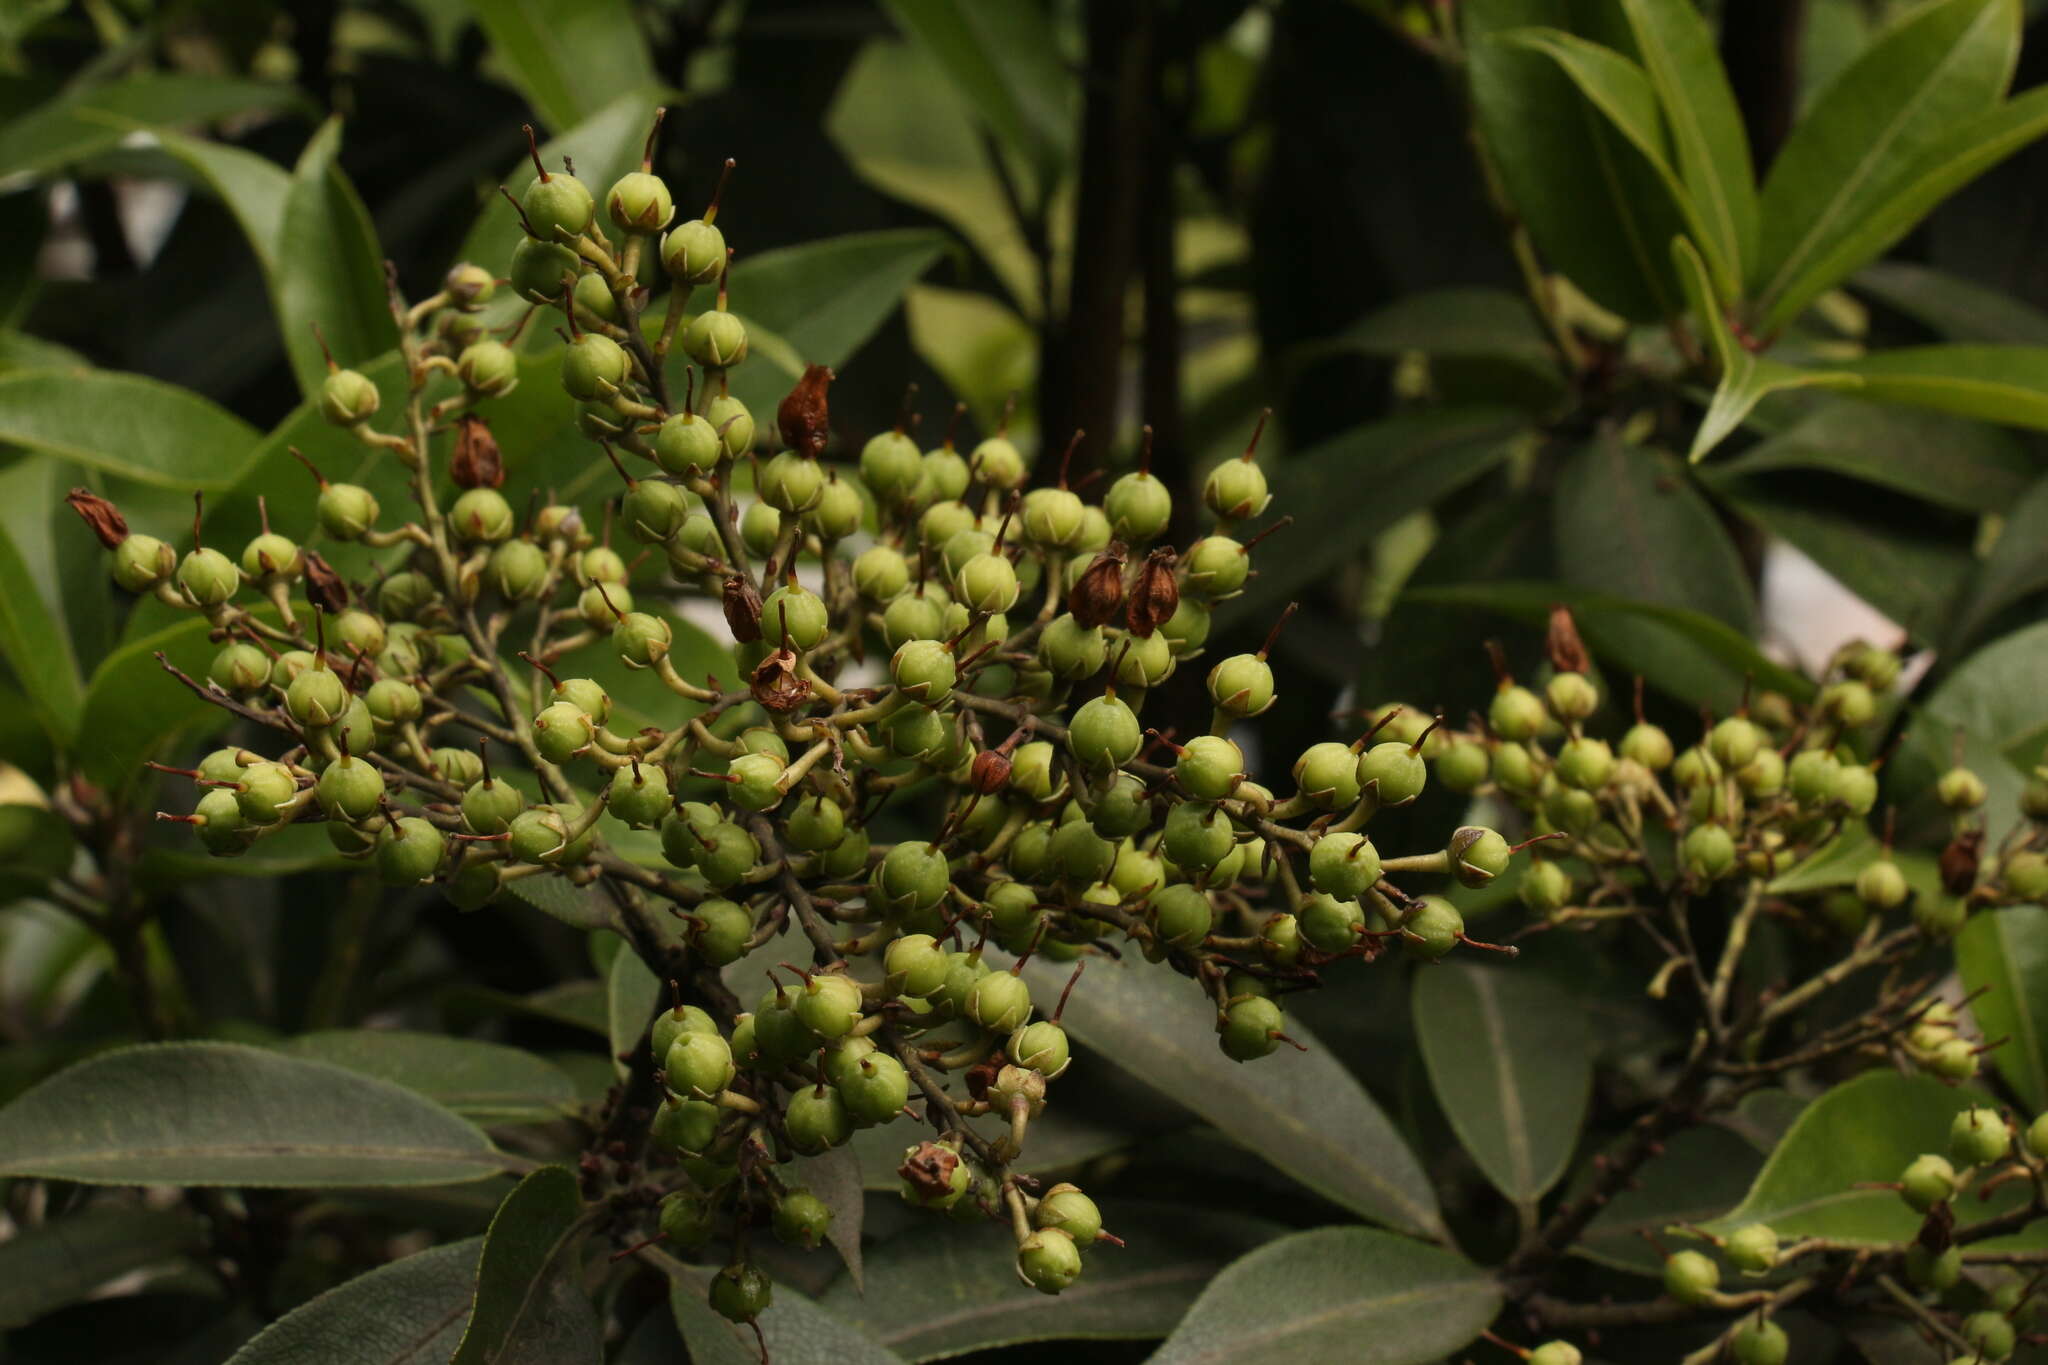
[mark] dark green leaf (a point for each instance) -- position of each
(487, 1082)
(1981, 469)
(1349, 1294)
(795, 1330)
(336, 275)
(225, 1114)
(2007, 384)
(835, 1177)
(1408, 462)
(1942, 65)
(569, 58)
(2016, 566)
(530, 1307)
(578, 1004)
(1595, 207)
(125, 424)
(20, 351)
(409, 1312)
(826, 298)
(1993, 701)
(33, 640)
(1859, 1134)
(940, 1290)
(95, 119)
(1701, 1174)
(1629, 521)
(1959, 309)
(1301, 1111)
(1511, 1062)
(1484, 323)
(2004, 953)
(60, 1262)
(1004, 60)
(1699, 108)
(1834, 863)
(134, 709)
(1060, 1141)
(631, 993)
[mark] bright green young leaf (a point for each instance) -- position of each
(1351, 1294)
(409, 1312)
(486, 1082)
(570, 58)
(631, 993)
(1746, 379)
(1702, 1173)
(226, 1114)
(2005, 384)
(1817, 1183)
(1981, 468)
(1959, 309)
(336, 279)
(88, 122)
(934, 1291)
(1301, 1111)
(1004, 60)
(1511, 1063)
(1678, 52)
(1623, 93)
(530, 1307)
(1940, 66)
(1630, 521)
(1596, 209)
(2004, 953)
(63, 1261)
(124, 424)
(2016, 567)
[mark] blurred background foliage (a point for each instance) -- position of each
(1128, 212)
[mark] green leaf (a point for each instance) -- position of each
(1460, 322)
(125, 424)
(226, 1114)
(487, 1082)
(33, 641)
(1859, 1133)
(1351, 1294)
(639, 697)
(1409, 462)
(1705, 123)
(631, 993)
(1993, 700)
(1746, 379)
(1511, 1061)
(1301, 1111)
(1596, 209)
(20, 351)
(1834, 863)
(1060, 1141)
(2004, 953)
(570, 58)
(2007, 384)
(336, 279)
(834, 1176)
(1004, 60)
(1943, 64)
(1628, 520)
(1623, 93)
(1981, 469)
(577, 1004)
(1693, 658)
(406, 1313)
(935, 1290)
(1702, 1173)
(134, 709)
(1959, 309)
(84, 124)
(54, 1264)
(530, 1307)
(826, 298)
(2015, 567)
(794, 1329)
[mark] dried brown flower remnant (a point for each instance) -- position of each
(1155, 595)
(105, 519)
(1567, 651)
(324, 588)
(776, 684)
(742, 609)
(476, 462)
(1099, 591)
(803, 418)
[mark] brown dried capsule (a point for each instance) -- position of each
(1099, 592)
(776, 684)
(476, 462)
(990, 772)
(803, 419)
(742, 609)
(1567, 651)
(1155, 595)
(324, 588)
(1959, 861)
(105, 519)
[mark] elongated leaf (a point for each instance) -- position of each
(252, 188)
(1745, 379)
(1699, 108)
(631, 993)
(1981, 469)
(1512, 1065)
(795, 1329)
(1301, 1111)
(1410, 461)
(1466, 321)
(2004, 953)
(1992, 699)
(1862, 1132)
(1834, 863)
(124, 424)
(1630, 521)
(1946, 167)
(336, 279)
(2007, 384)
(826, 298)
(225, 1114)
(2016, 566)
(1701, 1174)
(65, 1260)
(1943, 64)
(89, 122)
(1349, 1294)
(33, 639)
(936, 1291)
(1596, 209)
(569, 58)
(410, 1312)
(488, 1082)
(130, 712)
(1004, 61)
(529, 1306)
(1959, 309)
